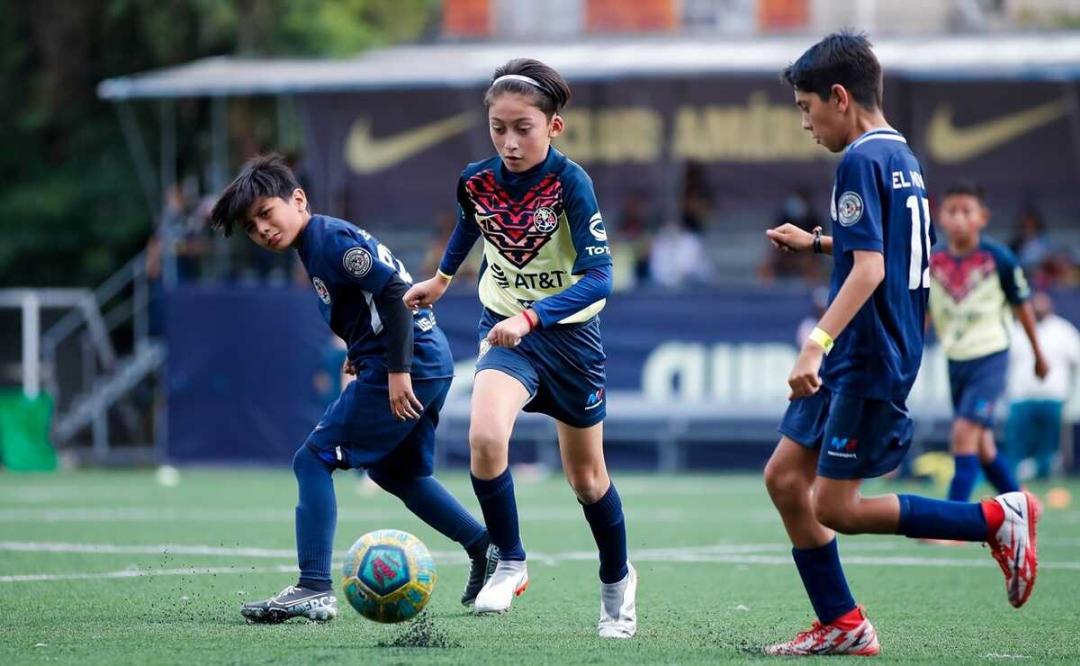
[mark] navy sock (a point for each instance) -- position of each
(925, 518)
(963, 481)
(500, 514)
(432, 503)
(999, 473)
(605, 518)
(824, 580)
(316, 518)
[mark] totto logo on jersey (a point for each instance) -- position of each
(544, 220)
(485, 347)
(596, 228)
(594, 399)
(843, 447)
(849, 209)
(321, 290)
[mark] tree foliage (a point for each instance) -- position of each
(73, 210)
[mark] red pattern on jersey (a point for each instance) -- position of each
(960, 275)
(508, 224)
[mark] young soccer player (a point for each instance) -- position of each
(976, 286)
(383, 421)
(546, 273)
(847, 420)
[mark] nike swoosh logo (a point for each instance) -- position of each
(366, 154)
(950, 144)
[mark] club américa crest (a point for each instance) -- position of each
(544, 220)
(321, 290)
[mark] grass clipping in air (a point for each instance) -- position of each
(421, 633)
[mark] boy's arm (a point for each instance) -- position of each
(865, 276)
(790, 238)
(1026, 316)
(398, 327)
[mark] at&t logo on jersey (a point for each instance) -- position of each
(321, 290)
(544, 220)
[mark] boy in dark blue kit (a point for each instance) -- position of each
(385, 420)
(848, 418)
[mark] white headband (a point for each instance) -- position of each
(522, 78)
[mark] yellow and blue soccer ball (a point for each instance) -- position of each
(389, 575)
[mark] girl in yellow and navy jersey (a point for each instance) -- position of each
(545, 277)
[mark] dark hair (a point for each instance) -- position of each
(261, 176)
(966, 188)
(550, 97)
(843, 58)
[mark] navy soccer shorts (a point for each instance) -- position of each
(857, 438)
(358, 429)
(562, 368)
(977, 386)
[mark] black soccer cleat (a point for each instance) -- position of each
(479, 573)
(289, 603)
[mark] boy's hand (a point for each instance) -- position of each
(804, 380)
(509, 332)
(403, 402)
(424, 294)
(1042, 368)
(790, 238)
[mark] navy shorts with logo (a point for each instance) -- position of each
(857, 438)
(359, 430)
(977, 386)
(562, 368)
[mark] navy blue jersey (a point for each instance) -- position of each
(879, 204)
(348, 267)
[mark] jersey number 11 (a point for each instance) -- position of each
(918, 277)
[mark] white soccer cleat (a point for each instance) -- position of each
(1013, 545)
(618, 613)
(510, 580)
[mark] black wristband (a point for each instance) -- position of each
(817, 240)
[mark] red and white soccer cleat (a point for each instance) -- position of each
(1013, 544)
(830, 639)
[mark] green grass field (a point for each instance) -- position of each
(110, 568)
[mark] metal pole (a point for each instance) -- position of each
(143, 167)
(31, 338)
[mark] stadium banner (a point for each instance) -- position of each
(251, 370)
(393, 156)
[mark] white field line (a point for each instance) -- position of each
(739, 554)
(143, 515)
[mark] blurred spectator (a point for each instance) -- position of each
(445, 221)
(630, 239)
(797, 210)
(1030, 242)
(695, 199)
(678, 257)
(1034, 425)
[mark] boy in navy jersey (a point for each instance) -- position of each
(385, 420)
(848, 420)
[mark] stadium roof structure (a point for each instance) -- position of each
(1046, 56)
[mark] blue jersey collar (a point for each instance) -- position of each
(882, 133)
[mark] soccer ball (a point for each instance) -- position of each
(389, 575)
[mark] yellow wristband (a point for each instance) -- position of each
(444, 276)
(822, 338)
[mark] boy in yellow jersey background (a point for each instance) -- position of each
(976, 288)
